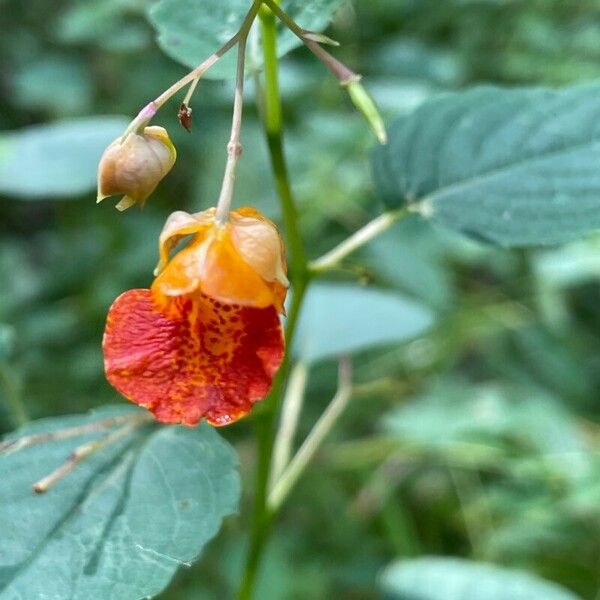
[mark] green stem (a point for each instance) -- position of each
(273, 124)
(314, 439)
(262, 517)
(358, 239)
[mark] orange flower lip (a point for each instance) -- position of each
(204, 360)
(205, 341)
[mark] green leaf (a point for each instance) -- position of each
(339, 319)
(436, 578)
(57, 83)
(190, 31)
(412, 60)
(516, 167)
(121, 523)
(456, 411)
(107, 23)
(57, 160)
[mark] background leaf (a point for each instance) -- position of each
(411, 255)
(342, 319)
(516, 167)
(56, 160)
(433, 578)
(454, 411)
(7, 341)
(120, 524)
(189, 31)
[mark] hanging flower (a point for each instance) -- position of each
(135, 166)
(205, 341)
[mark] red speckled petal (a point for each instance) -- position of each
(201, 359)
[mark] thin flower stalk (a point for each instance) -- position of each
(234, 148)
(315, 438)
(288, 422)
(193, 76)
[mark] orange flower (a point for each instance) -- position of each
(205, 341)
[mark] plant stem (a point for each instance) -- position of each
(343, 74)
(314, 439)
(273, 128)
(346, 76)
(234, 148)
(193, 76)
(191, 90)
(262, 517)
(84, 451)
(361, 237)
(288, 421)
(17, 444)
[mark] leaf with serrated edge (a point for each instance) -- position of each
(517, 167)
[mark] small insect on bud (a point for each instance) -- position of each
(185, 116)
(135, 166)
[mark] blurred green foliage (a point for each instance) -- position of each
(479, 439)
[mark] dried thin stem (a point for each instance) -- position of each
(344, 74)
(193, 76)
(358, 239)
(234, 148)
(191, 90)
(315, 438)
(290, 414)
(63, 434)
(84, 451)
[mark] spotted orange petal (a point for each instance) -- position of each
(201, 359)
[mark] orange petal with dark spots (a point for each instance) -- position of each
(200, 359)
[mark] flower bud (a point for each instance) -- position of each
(135, 166)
